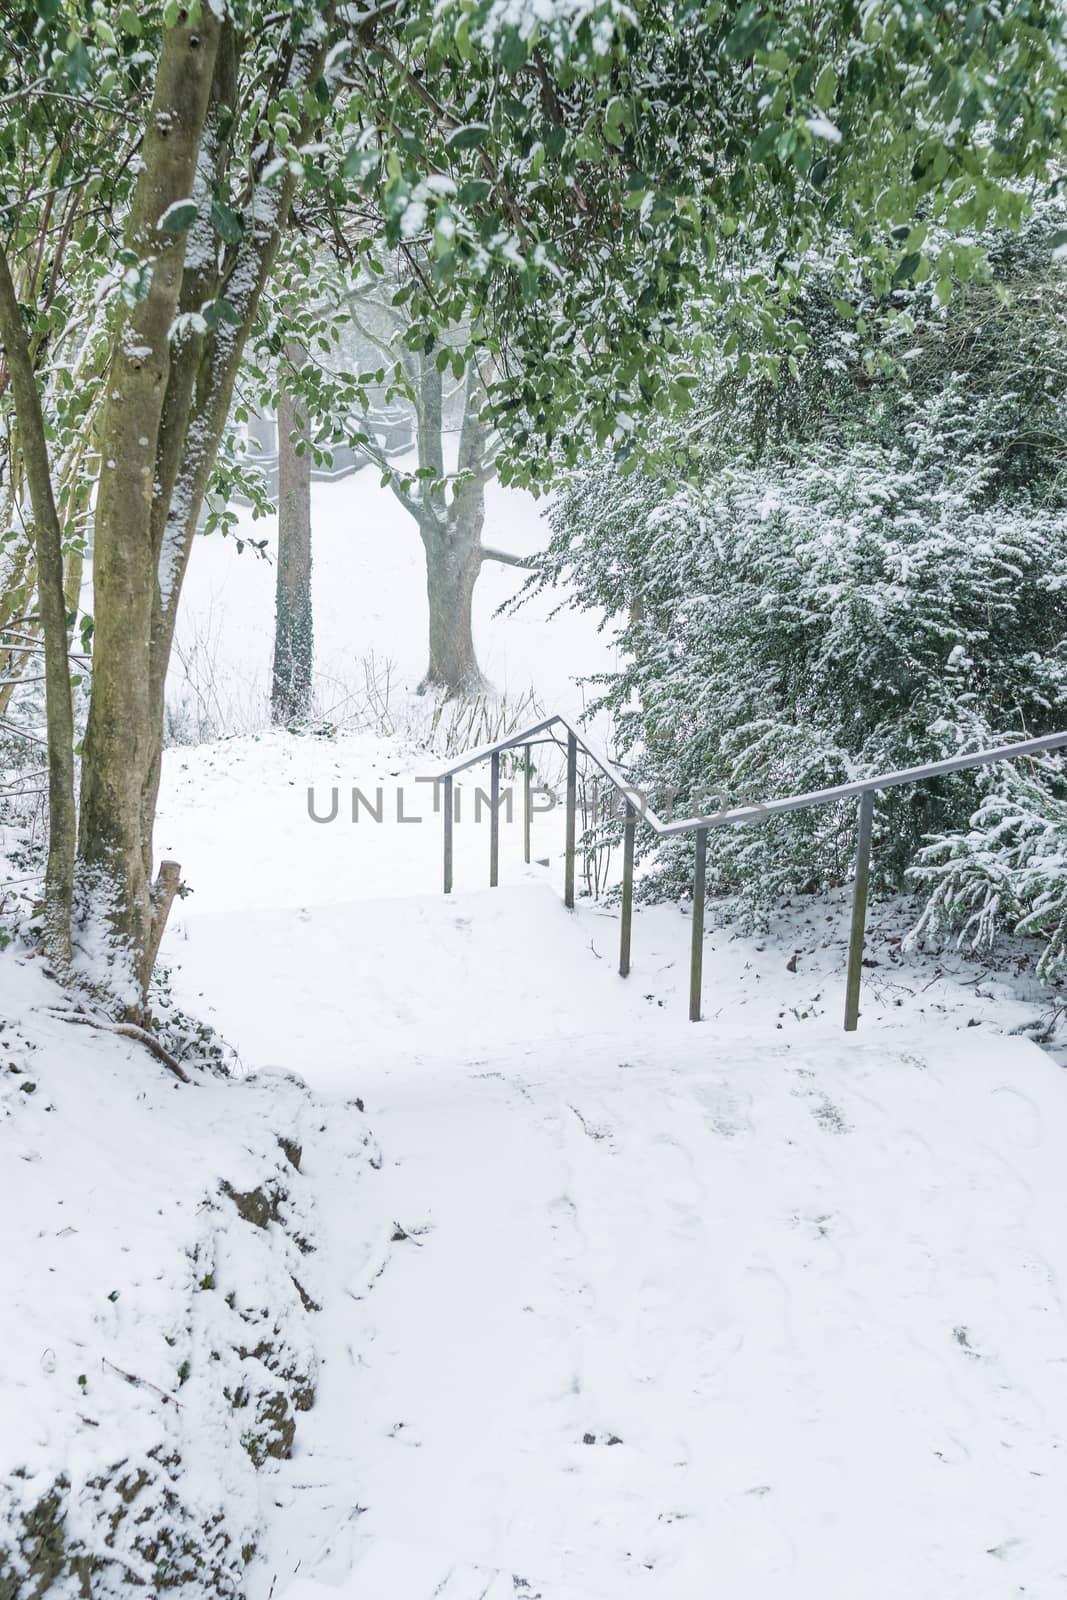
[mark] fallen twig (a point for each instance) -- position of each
(129, 1030)
(142, 1383)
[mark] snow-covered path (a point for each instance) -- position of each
(643, 1309)
(632, 1307)
(785, 1324)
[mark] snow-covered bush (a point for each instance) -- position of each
(867, 573)
(859, 612)
(1007, 868)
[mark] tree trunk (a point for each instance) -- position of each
(18, 574)
(168, 391)
(452, 537)
(113, 903)
(453, 562)
(290, 699)
(202, 385)
(48, 538)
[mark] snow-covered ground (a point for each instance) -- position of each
(156, 1316)
(595, 1303)
(370, 614)
(397, 965)
(690, 1316)
(747, 1305)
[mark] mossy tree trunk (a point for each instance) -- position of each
(294, 643)
(113, 902)
(48, 544)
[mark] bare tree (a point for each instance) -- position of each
(447, 507)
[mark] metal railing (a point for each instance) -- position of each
(636, 808)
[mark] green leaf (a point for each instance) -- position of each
(825, 88)
(764, 143)
(474, 192)
(468, 137)
(179, 217)
(513, 51)
(216, 311)
(77, 68)
(359, 163)
(227, 223)
(749, 35)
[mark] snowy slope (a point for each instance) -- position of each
(157, 1333)
(600, 1304)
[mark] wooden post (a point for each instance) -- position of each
(628, 829)
(527, 804)
(696, 959)
(859, 912)
(572, 819)
(448, 834)
(494, 819)
(168, 881)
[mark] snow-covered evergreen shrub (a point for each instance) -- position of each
(862, 611)
(881, 584)
(1007, 868)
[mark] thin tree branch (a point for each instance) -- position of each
(507, 559)
(129, 1030)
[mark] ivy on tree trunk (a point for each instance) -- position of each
(49, 553)
(290, 699)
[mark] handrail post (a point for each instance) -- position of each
(859, 911)
(572, 818)
(527, 804)
(628, 830)
(696, 960)
(494, 819)
(448, 834)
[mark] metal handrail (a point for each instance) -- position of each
(860, 786)
(864, 789)
(527, 735)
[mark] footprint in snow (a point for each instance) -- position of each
(829, 1117)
